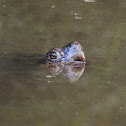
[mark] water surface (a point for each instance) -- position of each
(30, 95)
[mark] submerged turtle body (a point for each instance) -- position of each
(73, 52)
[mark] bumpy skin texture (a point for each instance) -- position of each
(69, 53)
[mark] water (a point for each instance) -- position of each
(30, 95)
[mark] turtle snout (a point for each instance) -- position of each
(79, 56)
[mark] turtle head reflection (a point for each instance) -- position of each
(71, 72)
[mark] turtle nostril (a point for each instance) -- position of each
(76, 43)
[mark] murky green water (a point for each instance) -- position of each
(30, 95)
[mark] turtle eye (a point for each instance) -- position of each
(53, 56)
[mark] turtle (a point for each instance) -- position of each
(72, 53)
